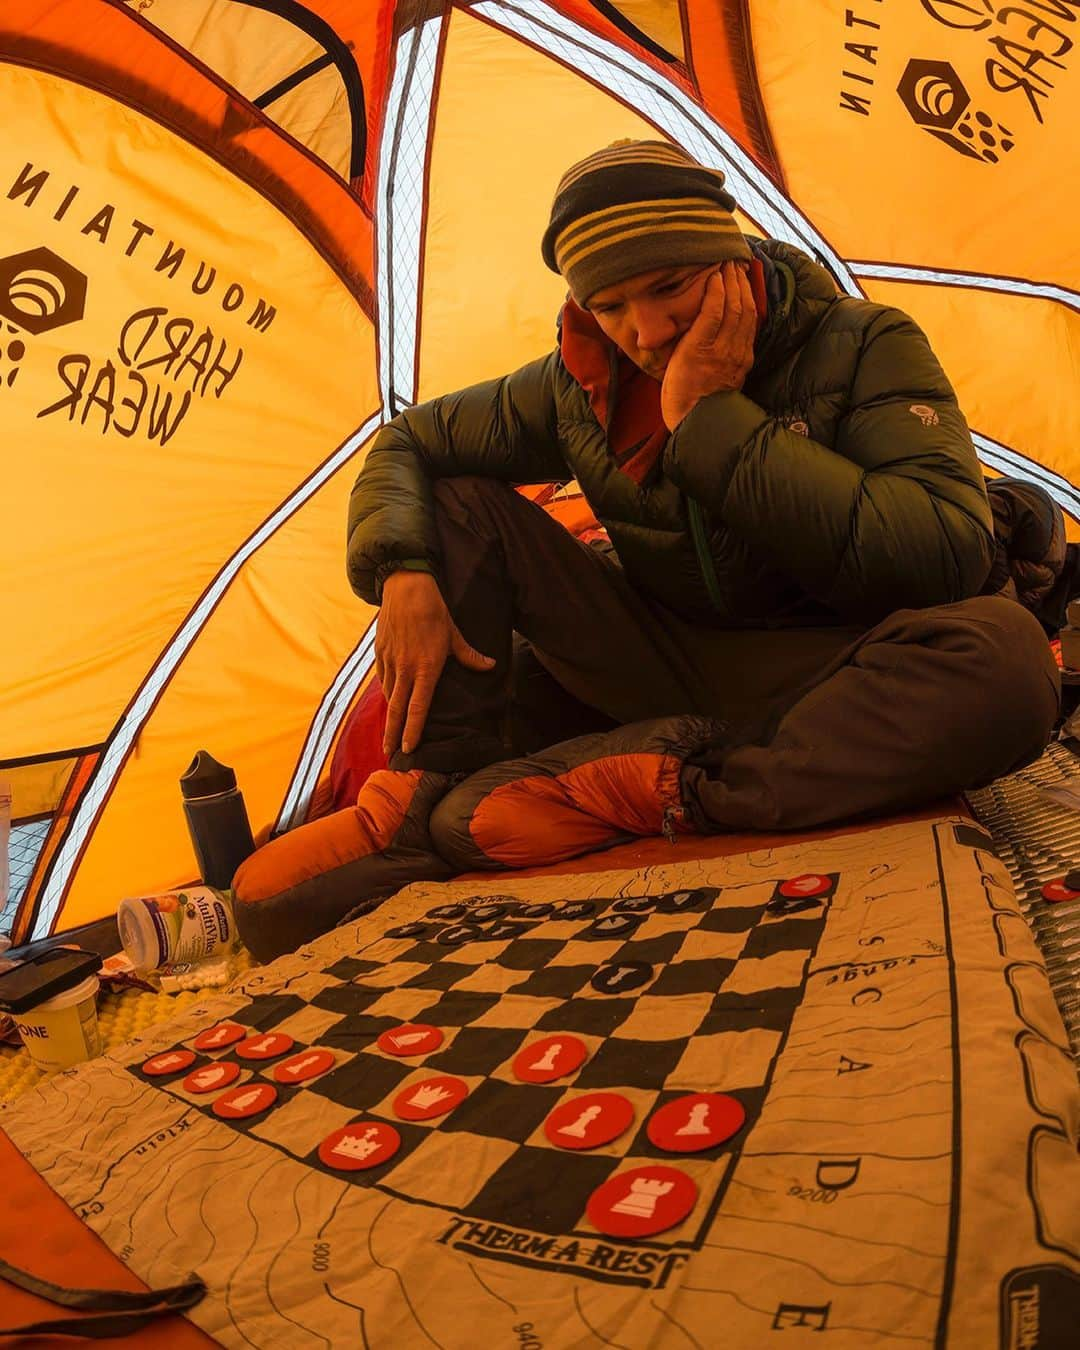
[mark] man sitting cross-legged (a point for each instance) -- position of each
(787, 628)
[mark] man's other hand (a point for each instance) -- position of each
(717, 350)
(415, 635)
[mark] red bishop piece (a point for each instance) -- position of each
(589, 1121)
(553, 1057)
(411, 1038)
(267, 1045)
(430, 1098)
(307, 1064)
(217, 1038)
(1056, 891)
(810, 884)
(212, 1076)
(364, 1143)
(696, 1122)
(249, 1099)
(170, 1061)
(642, 1201)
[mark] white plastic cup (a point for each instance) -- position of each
(63, 1030)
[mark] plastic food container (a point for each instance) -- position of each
(62, 1030)
(184, 927)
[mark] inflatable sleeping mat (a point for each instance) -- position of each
(701, 1100)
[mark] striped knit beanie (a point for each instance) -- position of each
(634, 207)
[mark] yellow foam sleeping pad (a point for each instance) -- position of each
(120, 1016)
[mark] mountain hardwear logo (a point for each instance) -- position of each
(926, 415)
(937, 100)
(39, 291)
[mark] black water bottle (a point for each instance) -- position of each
(217, 819)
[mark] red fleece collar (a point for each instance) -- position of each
(634, 426)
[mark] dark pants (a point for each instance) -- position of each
(826, 723)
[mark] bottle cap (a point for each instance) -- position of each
(205, 777)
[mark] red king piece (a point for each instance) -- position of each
(411, 1038)
(169, 1061)
(430, 1098)
(267, 1045)
(364, 1143)
(809, 884)
(307, 1064)
(642, 1201)
(553, 1057)
(210, 1077)
(217, 1038)
(589, 1121)
(698, 1121)
(249, 1099)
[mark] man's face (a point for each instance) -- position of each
(647, 315)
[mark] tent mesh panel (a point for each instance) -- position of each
(24, 846)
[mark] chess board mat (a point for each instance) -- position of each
(908, 1169)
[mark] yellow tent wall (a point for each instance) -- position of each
(376, 177)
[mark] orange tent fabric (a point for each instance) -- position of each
(240, 234)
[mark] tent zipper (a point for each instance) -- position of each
(704, 557)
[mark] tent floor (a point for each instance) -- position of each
(57, 1246)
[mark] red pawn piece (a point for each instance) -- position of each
(553, 1057)
(267, 1045)
(642, 1201)
(307, 1064)
(589, 1121)
(217, 1038)
(698, 1121)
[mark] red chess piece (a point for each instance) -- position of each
(553, 1057)
(169, 1061)
(698, 1121)
(307, 1064)
(218, 1074)
(1056, 891)
(430, 1098)
(363, 1144)
(249, 1099)
(266, 1045)
(589, 1121)
(217, 1038)
(805, 886)
(412, 1038)
(643, 1201)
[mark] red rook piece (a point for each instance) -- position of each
(642, 1201)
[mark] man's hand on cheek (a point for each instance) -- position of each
(717, 350)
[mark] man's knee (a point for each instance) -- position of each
(1015, 679)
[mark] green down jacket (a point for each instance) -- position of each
(839, 485)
